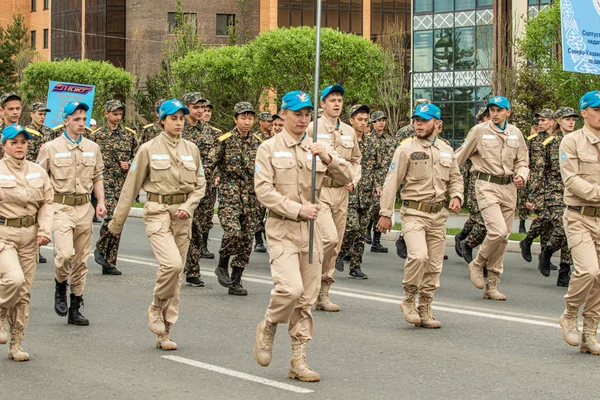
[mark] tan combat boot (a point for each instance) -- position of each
(15, 352)
(164, 341)
(263, 345)
(427, 320)
(3, 326)
(156, 323)
(408, 306)
(299, 369)
(491, 291)
(568, 323)
(589, 344)
(477, 278)
(323, 301)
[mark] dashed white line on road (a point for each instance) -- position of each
(237, 374)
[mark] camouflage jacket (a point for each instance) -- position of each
(150, 131)
(116, 146)
(536, 167)
(203, 136)
(405, 132)
(384, 146)
(37, 140)
(553, 186)
(234, 156)
(362, 195)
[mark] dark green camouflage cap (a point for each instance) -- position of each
(39, 106)
(193, 98)
(243, 107)
(481, 113)
(377, 115)
(358, 107)
(545, 113)
(158, 104)
(565, 112)
(209, 105)
(113, 105)
(418, 102)
(9, 96)
(265, 116)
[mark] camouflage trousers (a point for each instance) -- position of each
(541, 226)
(475, 230)
(238, 220)
(374, 212)
(557, 239)
(522, 210)
(108, 244)
(260, 219)
(201, 223)
(353, 244)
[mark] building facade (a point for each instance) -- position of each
(36, 15)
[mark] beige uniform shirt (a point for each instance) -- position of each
(164, 165)
(341, 138)
(73, 168)
(283, 171)
(426, 169)
(580, 168)
(496, 152)
(27, 192)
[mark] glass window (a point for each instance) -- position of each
(33, 37)
(464, 48)
(45, 38)
(443, 53)
(448, 118)
(33, 5)
(172, 19)
(422, 94)
(46, 4)
(443, 5)
(225, 21)
(485, 46)
(283, 18)
(423, 51)
(464, 94)
(464, 119)
(442, 95)
(464, 5)
(485, 3)
(423, 6)
(483, 94)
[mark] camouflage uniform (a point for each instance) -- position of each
(233, 154)
(474, 228)
(116, 146)
(39, 134)
(151, 131)
(3, 99)
(261, 137)
(385, 146)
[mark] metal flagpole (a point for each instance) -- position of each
(315, 130)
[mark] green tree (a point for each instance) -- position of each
(13, 41)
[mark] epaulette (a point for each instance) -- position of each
(405, 141)
(33, 132)
(225, 136)
(545, 142)
(92, 132)
(131, 130)
(90, 129)
(216, 129)
(533, 136)
(148, 126)
(258, 138)
(57, 127)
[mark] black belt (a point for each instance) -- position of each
(500, 180)
(425, 207)
(21, 222)
(588, 211)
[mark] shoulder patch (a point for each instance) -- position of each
(257, 138)
(87, 128)
(92, 132)
(148, 126)
(217, 129)
(545, 142)
(131, 130)
(225, 136)
(533, 136)
(57, 127)
(405, 141)
(33, 132)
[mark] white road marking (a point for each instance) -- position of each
(237, 374)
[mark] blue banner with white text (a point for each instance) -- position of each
(61, 93)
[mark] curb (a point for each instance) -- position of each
(513, 245)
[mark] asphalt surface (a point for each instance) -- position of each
(484, 350)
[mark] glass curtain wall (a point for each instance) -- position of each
(345, 15)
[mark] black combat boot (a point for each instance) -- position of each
(75, 317)
(204, 253)
(564, 275)
(553, 266)
(347, 257)
(467, 251)
(401, 249)
(544, 262)
(368, 238)
(376, 247)
(356, 273)
(460, 236)
(339, 262)
(110, 270)
(237, 289)
(60, 298)
(259, 245)
(41, 258)
(222, 272)
(522, 228)
(525, 246)
(99, 258)
(195, 281)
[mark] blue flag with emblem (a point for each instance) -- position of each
(62, 93)
(580, 21)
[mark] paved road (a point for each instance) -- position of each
(485, 350)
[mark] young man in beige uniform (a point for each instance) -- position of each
(74, 164)
(500, 160)
(580, 171)
(282, 179)
(334, 198)
(427, 170)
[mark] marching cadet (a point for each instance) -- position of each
(39, 132)
(154, 129)
(208, 107)
(580, 171)
(93, 124)
(500, 160)
(427, 169)
(26, 209)
(265, 127)
(118, 146)
(11, 108)
(408, 131)
(334, 200)
(169, 169)
(233, 153)
(361, 198)
(277, 124)
(74, 164)
(552, 191)
(282, 180)
(541, 224)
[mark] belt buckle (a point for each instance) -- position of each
(167, 199)
(22, 222)
(419, 206)
(77, 201)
